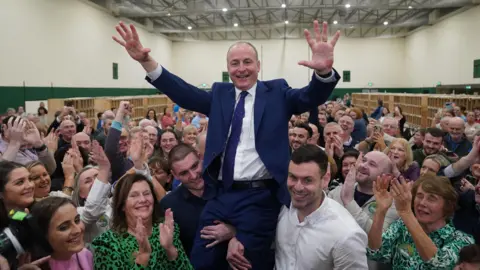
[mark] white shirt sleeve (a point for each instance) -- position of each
(96, 203)
(153, 75)
(326, 80)
(350, 253)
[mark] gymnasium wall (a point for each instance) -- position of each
(444, 52)
(376, 61)
(63, 48)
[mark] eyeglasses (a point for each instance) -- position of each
(390, 126)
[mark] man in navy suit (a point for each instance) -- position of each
(247, 150)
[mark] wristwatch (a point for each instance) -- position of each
(41, 148)
(67, 190)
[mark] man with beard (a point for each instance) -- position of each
(356, 193)
(186, 200)
(299, 135)
(316, 232)
(432, 144)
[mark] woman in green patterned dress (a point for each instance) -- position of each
(422, 238)
(137, 238)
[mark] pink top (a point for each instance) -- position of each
(83, 258)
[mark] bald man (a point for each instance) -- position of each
(83, 140)
(456, 141)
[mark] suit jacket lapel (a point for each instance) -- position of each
(228, 105)
(259, 107)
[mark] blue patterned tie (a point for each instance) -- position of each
(232, 143)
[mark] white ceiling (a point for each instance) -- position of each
(266, 19)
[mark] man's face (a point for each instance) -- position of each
(123, 143)
(83, 141)
(390, 126)
(418, 138)
(305, 183)
(67, 129)
(132, 124)
(432, 145)
(331, 132)
(429, 166)
(339, 115)
(189, 172)
(152, 135)
(299, 137)
(457, 127)
(107, 124)
(456, 111)
(346, 123)
(373, 164)
(322, 119)
(243, 66)
(329, 108)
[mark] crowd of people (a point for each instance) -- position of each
(252, 175)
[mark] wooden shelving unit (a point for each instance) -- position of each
(92, 106)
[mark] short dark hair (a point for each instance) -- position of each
(179, 152)
(311, 153)
(469, 254)
(435, 132)
(304, 126)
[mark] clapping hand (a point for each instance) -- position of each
(16, 130)
(131, 42)
(67, 165)
(31, 136)
(51, 141)
(348, 188)
(322, 50)
(383, 197)
(402, 194)
(144, 249)
(167, 230)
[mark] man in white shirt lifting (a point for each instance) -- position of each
(316, 232)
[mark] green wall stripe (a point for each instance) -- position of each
(17, 95)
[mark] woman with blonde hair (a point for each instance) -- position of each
(400, 153)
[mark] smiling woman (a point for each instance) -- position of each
(59, 221)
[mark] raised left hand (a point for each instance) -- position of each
(322, 50)
(402, 195)
(167, 230)
(31, 135)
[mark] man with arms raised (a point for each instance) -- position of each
(247, 153)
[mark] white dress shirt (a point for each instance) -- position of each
(248, 165)
(328, 238)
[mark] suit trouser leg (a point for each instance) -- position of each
(254, 215)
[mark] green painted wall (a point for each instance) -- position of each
(17, 95)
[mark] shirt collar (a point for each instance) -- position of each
(252, 91)
(315, 216)
(348, 142)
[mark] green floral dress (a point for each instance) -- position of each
(115, 251)
(399, 249)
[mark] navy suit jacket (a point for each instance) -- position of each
(275, 102)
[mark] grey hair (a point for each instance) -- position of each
(243, 43)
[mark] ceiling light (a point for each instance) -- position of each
(385, 23)
(347, 6)
(284, 6)
(235, 24)
(335, 22)
(169, 14)
(224, 9)
(286, 22)
(410, 7)
(189, 28)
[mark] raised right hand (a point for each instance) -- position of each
(131, 42)
(380, 190)
(144, 249)
(16, 129)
